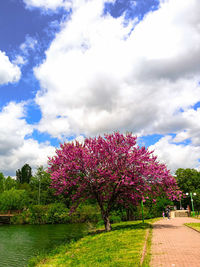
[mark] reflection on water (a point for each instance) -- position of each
(19, 243)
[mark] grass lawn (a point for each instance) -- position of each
(123, 246)
(195, 226)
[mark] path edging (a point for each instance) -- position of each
(144, 247)
(192, 228)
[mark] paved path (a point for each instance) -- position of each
(175, 245)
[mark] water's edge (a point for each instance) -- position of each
(19, 243)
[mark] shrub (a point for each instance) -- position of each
(13, 199)
(43, 214)
(57, 213)
(86, 213)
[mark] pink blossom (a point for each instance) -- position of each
(110, 169)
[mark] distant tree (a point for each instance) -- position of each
(189, 182)
(42, 181)
(13, 199)
(19, 176)
(10, 183)
(188, 179)
(24, 174)
(41, 191)
(43, 177)
(111, 170)
(2, 182)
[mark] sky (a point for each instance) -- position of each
(71, 69)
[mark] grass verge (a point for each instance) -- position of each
(147, 256)
(123, 246)
(195, 226)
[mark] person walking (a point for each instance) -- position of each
(163, 214)
(168, 213)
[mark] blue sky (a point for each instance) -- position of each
(18, 25)
(71, 69)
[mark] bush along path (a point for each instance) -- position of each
(123, 246)
(174, 244)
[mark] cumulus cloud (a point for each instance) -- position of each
(16, 148)
(176, 156)
(192, 128)
(48, 4)
(9, 72)
(29, 44)
(102, 74)
(19, 60)
(13, 127)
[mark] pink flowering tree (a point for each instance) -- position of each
(111, 169)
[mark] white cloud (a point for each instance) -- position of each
(98, 76)
(80, 139)
(19, 60)
(13, 127)
(9, 72)
(29, 44)
(176, 156)
(48, 4)
(54, 5)
(133, 3)
(15, 148)
(192, 128)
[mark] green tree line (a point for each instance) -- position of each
(33, 195)
(189, 182)
(26, 189)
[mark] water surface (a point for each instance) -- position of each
(19, 243)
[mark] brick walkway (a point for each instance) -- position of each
(174, 244)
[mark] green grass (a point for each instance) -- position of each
(123, 246)
(147, 257)
(195, 226)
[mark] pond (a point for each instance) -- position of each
(19, 243)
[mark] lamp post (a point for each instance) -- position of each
(39, 189)
(180, 205)
(142, 211)
(192, 194)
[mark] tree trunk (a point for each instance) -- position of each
(128, 214)
(104, 214)
(107, 223)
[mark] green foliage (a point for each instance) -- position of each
(156, 209)
(24, 186)
(118, 215)
(47, 214)
(150, 209)
(43, 214)
(44, 207)
(13, 200)
(2, 182)
(57, 213)
(41, 178)
(189, 182)
(10, 183)
(86, 213)
(37, 214)
(188, 179)
(24, 174)
(41, 191)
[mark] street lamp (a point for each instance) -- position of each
(192, 194)
(142, 211)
